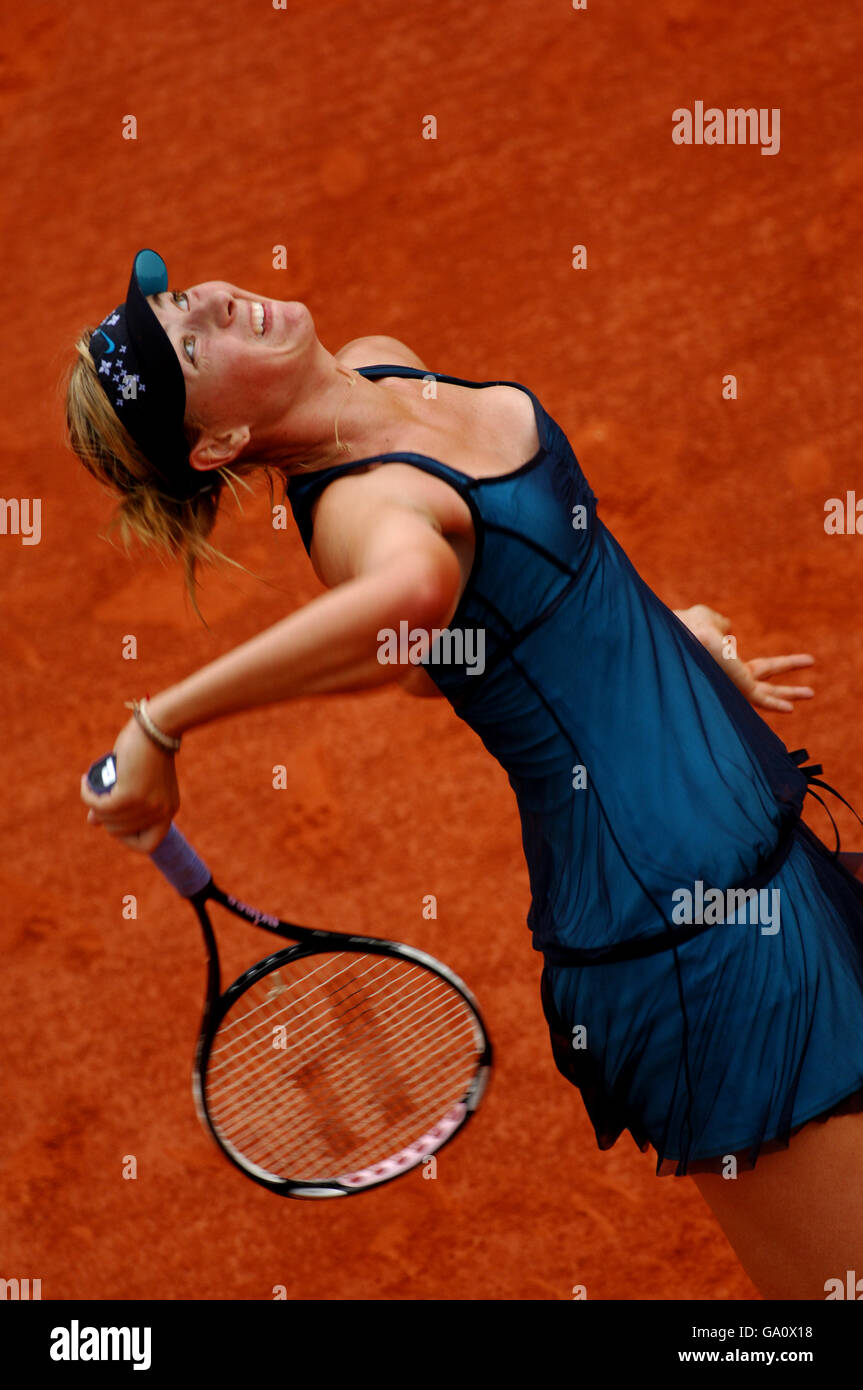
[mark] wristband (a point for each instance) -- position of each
(165, 741)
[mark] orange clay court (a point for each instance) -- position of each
(259, 127)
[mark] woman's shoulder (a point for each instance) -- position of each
(376, 350)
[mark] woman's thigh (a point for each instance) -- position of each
(795, 1220)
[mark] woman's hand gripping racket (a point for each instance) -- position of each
(334, 1065)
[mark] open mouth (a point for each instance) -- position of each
(259, 318)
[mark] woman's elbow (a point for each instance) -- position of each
(431, 583)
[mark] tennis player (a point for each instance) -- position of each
(724, 1037)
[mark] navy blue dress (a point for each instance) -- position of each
(641, 771)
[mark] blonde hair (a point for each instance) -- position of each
(145, 512)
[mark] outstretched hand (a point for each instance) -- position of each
(713, 631)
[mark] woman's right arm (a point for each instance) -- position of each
(388, 564)
(406, 571)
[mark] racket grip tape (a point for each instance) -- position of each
(182, 866)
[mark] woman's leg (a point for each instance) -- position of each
(795, 1220)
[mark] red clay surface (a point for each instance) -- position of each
(303, 127)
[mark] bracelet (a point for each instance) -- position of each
(165, 741)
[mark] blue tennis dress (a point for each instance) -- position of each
(703, 948)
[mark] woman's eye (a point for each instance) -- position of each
(181, 299)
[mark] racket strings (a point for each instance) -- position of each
(326, 1132)
(245, 1030)
(344, 1102)
(310, 996)
(333, 1103)
(338, 1061)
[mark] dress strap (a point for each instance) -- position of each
(395, 370)
(387, 369)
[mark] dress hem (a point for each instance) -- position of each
(746, 1156)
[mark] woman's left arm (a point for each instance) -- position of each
(713, 631)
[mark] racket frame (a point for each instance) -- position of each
(314, 941)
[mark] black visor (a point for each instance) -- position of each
(140, 374)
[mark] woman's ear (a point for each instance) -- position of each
(218, 450)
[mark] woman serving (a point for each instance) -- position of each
(641, 772)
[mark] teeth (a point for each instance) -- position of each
(258, 318)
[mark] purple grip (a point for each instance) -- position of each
(181, 866)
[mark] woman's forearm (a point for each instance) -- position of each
(330, 645)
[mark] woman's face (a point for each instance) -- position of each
(235, 350)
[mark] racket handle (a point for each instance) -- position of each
(174, 856)
(182, 867)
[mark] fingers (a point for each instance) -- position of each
(791, 692)
(132, 821)
(773, 665)
(779, 697)
(769, 701)
(125, 820)
(143, 837)
(145, 841)
(88, 796)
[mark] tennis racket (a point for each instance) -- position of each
(333, 1065)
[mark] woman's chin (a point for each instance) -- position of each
(289, 316)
